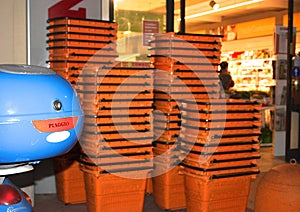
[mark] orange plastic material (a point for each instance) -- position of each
(209, 173)
(221, 105)
(130, 71)
(184, 60)
(219, 131)
(65, 64)
(118, 119)
(211, 156)
(81, 21)
(82, 57)
(70, 71)
(107, 192)
(196, 67)
(228, 194)
(176, 43)
(70, 77)
(215, 164)
(169, 197)
(278, 189)
(199, 38)
(172, 52)
(170, 67)
(105, 148)
(128, 173)
(78, 28)
(164, 124)
(149, 185)
(116, 79)
(189, 37)
(166, 158)
(221, 123)
(138, 165)
(88, 140)
(164, 146)
(78, 58)
(220, 138)
(236, 204)
(165, 166)
(186, 88)
(181, 96)
(203, 79)
(115, 128)
(111, 161)
(70, 191)
(69, 181)
(172, 177)
(116, 104)
(96, 96)
(219, 148)
(215, 115)
(118, 89)
(91, 147)
(111, 137)
(167, 109)
(123, 111)
(217, 189)
(66, 51)
(67, 75)
(82, 43)
(166, 133)
(81, 36)
(169, 191)
(173, 153)
(166, 117)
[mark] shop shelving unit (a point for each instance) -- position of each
(254, 74)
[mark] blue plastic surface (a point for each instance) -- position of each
(23, 206)
(29, 95)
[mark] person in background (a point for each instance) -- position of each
(225, 76)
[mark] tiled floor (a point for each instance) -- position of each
(49, 203)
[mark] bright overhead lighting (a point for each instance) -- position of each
(228, 7)
(214, 5)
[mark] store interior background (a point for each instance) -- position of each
(248, 36)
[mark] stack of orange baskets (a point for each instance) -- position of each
(69, 179)
(72, 42)
(220, 147)
(116, 141)
(186, 66)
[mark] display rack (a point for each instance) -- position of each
(252, 75)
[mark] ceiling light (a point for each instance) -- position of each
(214, 5)
(224, 8)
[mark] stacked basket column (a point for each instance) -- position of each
(117, 137)
(71, 44)
(221, 148)
(186, 66)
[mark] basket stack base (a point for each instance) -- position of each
(111, 193)
(217, 195)
(168, 190)
(69, 181)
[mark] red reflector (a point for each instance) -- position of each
(55, 125)
(9, 195)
